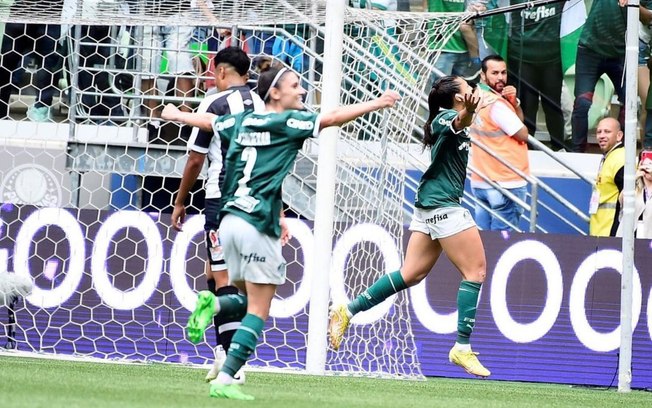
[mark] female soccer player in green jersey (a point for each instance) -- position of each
(262, 149)
(439, 223)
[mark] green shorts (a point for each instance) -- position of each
(251, 255)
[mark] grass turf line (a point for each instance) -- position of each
(34, 383)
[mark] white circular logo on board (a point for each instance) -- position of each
(31, 184)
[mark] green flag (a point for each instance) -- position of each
(572, 21)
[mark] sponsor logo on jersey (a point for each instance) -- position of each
(538, 14)
(254, 121)
(444, 122)
(436, 218)
(300, 124)
(464, 146)
(225, 124)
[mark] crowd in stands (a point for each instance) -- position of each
(518, 72)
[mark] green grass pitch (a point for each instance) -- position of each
(35, 382)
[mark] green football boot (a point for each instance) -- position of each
(231, 391)
(201, 317)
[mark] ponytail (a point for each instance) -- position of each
(428, 138)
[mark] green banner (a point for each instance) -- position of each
(572, 21)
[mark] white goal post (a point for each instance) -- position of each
(86, 191)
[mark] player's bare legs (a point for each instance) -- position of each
(466, 252)
(422, 253)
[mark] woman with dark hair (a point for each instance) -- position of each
(439, 223)
(263, 146)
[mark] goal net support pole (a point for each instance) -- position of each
(324, 204)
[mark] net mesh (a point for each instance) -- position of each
(88, 182)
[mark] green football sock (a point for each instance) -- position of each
(467, 303)
(376, 293)
(232, 306)
(227, 323)
(243, 343)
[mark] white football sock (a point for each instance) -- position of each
(462, 347)
(224, 378)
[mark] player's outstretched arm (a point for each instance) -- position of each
(343, 114)
(203, 121)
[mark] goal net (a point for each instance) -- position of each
(90, 173)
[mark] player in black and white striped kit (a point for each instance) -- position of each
(231, 74)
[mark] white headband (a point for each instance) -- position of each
(274, 81)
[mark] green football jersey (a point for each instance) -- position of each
(605, 26)
(456, 43)
(442, 184)
(534, 33)
(263, 146)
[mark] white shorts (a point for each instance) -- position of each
(441, 222)
(251, 255)
(174, 40)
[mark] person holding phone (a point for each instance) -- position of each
(643, 198)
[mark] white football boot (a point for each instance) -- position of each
(220, 358)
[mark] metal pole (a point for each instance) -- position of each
(559, 159)
(312, 44)
(136, 106)
(74, 176)
(631, 134)
(513, 7)
(325, 195)
(534, 205)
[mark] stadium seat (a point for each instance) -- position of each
(604, 91)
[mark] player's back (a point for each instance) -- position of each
(234, 100)
(261, 153)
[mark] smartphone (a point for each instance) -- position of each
(646, 157)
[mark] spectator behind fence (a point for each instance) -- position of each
(498, 125)
(480, 26)
(36, 43)
(365, 79)
(172, 39)
(290, 50)
(642, 199)
(534, 60)
(601, 50)
(96, 86)
(604, 206)
(459, 56)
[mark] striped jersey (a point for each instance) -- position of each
(234, 100)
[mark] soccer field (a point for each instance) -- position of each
(33, 383)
